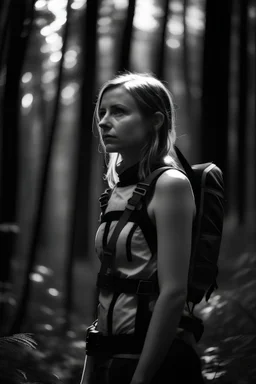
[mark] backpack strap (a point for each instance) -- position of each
(104, 198)
(187, 167)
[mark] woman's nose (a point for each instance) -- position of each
(104, 122)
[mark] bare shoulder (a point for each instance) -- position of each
(173, 193)
(175, 182)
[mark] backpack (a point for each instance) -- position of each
(208, 187)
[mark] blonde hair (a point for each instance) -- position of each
(151, 96)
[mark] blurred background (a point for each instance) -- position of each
(54, 56)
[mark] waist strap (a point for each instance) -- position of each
(190, 322)
(120, 285)
(97, 343)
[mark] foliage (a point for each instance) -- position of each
(20, 363)
(229, 344)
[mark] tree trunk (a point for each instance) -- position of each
(242, 106)
(215, 85)
(5, 9)
(15, 47)
(80, 220)
(188, 99)
(124, 59)
(161, 53)
(22, 306)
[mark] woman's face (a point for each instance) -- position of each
(124, 128)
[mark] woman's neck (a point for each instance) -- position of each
(127, 163)
(121, 167)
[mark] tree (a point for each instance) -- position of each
(13, 48)
(215, 84)
(22, 305)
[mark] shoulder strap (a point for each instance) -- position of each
(187, 167)
(139, 192)
(104, 198)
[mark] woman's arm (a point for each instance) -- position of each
(173, 207)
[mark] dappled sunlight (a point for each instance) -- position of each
(144, 18)
(69, 92)
(215, 302)
(46, 310)
(78, 4)
(173, 43)
(55, 57)
(120, 4)
(53, 292)
(44, 270)
(210, 358)
(27, 100)
(48, 76)
(58, 8)
(175, 26)
(40, 4)
(36, 277)
(195, 19)
(27, 77)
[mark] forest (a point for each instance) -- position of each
(54, 56)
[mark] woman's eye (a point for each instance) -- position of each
(101, 114)
(118, 111)
(115, 111)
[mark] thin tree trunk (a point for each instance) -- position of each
(80, 221)
(22, 306)
(215, 86)
(18, 35)
(124, 59)
(5, 9)
(188, 98)
(160, 64)
(242, 114)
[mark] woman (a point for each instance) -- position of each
(137, 338)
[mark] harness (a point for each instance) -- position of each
(143, 289)
(106, 280)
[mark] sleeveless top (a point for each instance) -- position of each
(136, 257)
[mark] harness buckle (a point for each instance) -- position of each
(132, 203)
(130, 207)
(140, 190)
(92, 341)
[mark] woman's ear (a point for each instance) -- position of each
(158, 120)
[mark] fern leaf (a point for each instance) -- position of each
(21, 339)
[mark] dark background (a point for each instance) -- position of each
(54, 56)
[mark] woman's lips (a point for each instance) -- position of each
(108, 137)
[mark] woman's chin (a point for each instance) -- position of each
(110, 148)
